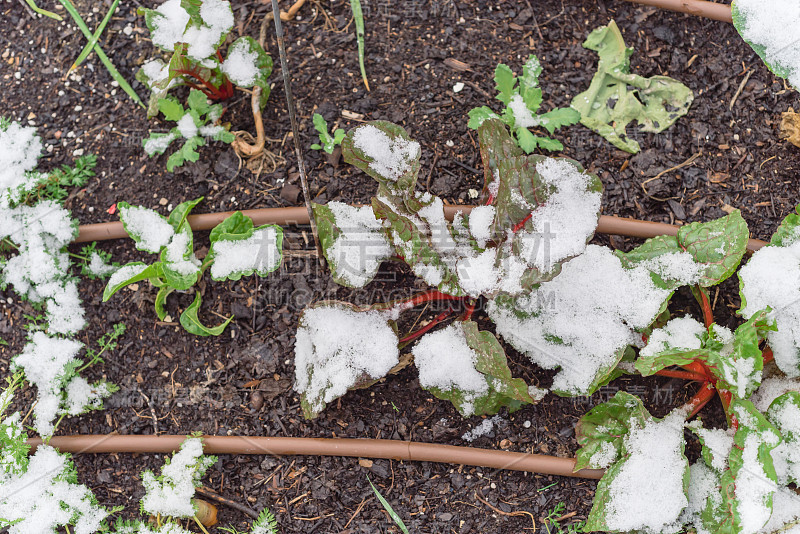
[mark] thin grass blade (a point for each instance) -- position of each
(93, 41)
(388, 508)
(358, 17)
(33, 6)
(100, 54)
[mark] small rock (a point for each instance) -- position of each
(256, 400)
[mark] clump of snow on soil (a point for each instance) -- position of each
(647, 493)
(98, 267)
(42, 498)
(772, 279)
(391, 157)
(583, 318)
(258, 252)
(772, 24)
(241, 64)
(361, 247)
(149, 229)
(172, 494)
(445, 361)
(21, 148)
(679, 333)
(335, 346)
(485, 426)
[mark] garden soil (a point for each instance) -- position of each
(241, 382)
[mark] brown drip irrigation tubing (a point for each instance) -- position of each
(701, 8)
(360, 448)
(298, 215)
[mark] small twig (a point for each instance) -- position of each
(662, 173)
(740, 89)
(211, 494)
(512, 514)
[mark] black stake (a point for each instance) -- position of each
(287, 86)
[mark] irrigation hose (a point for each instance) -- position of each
(608, 224)
(701, 8)
(389, 449)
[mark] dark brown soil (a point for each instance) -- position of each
(240, 383)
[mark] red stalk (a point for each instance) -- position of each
(708, 315)
(214, 90)
(427, 296)
(520, 225)
(767, 355)
(700, 399)
(414, 335)
(686, 375)
(470, 309)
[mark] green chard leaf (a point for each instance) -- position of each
(180, 267)
(384, 151)
(789, 230)
(191, 322)
(247, 49)
(600, 432)
(616, 97)
(490, 361)
(127, 274)
(478, 115)
(741, 23)
(505, 82)
(178, 215)
(783, 412)
(161, 301)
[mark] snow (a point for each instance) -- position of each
(175, 252)
(335, 346)
(703, 486)
(168, 28)
(485, 426)
(241, 64)
(566, 221)
(125, 272)
(655, 453)
(259, 253)
(604, 456)
(150, 230)
(523, 118)
(42, 498)
(785, 415)
(187, 127)
(445, 361)
(156, 71)
(679, 333)
(172, 495)
(677, 266)
(45, 360)
(20, 148)
(719, 442)
(98, 267)
(361, 247)
(772, 279)
(480, 222)
(772, 388)
(594, 307)
(158, 144)
(81, 395)
(391, 157)
(772, 24)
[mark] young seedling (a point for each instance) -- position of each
(193, 125)
(388, 507)
(237, 249)
(327, 141)
(522, 102)
(194, 31)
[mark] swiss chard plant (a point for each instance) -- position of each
(590, 313)
(327, 142)
(194, 32)
(238, 248)
(617, 97)
(522, 99)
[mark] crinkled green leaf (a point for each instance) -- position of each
(553, 145)
(504, 390)
(178, 215)
(616, 97)
(740, 23)
(414, 246)
(650, 365)
(607, 423)
(718, 245)
(191, 322)
(404, 184)
(789, 230)
(557, 118)
(263, 61)
(188, 152)
(234, 227)
(145, 272)
(156, 135)
(739, 370)
(171, 109)
(198, 102)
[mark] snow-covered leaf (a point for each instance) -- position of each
(386, 152)
(240, 250)
(469, 368)
(600, 432)
(769, 30)
(149, 230)
(126, 275)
